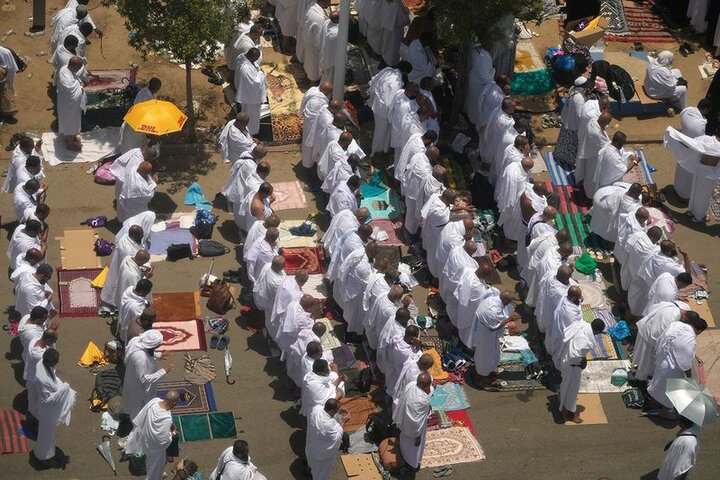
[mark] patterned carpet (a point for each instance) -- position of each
(449, 396)
(193, 398)
(450, 446)
(77, 296)
(288, 196)
(309, 258)
(188, 335)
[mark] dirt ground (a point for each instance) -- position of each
(518, 432)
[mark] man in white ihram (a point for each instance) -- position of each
(235, 464)
(141, 372)
(410, 415)
(324, 437)
(250, 87)
(71, 101)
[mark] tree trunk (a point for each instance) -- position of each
(191, 138)
(460, 84)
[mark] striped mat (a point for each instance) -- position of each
(563, 177)
(572, 215)
(12, 436)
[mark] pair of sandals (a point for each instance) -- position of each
(219, 342)
(213, 76)
(444, 471)
(686, 49)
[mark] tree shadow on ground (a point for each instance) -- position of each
(183, 164)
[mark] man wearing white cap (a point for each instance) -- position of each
(665, 83)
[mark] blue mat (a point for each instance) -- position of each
(448, 397)
(559, 176)
(158, 242)
(386, 205)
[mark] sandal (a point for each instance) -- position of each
(443, 471)
(214, 340)
(223, 342)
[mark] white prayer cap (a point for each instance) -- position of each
(580, 81)
(150, 339)
(665, 58)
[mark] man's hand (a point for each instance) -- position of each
(514, 317)
(169, 367)
(38, 145)
(333, 367)
(99, 33)
(407, 300)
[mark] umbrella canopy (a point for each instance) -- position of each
(228, 367)
(155, 117)
(106, 452)
(692, 400)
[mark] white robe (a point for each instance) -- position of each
(327, 50)
(293, 321)
(302, 8)
(693, 125)
(510, 186)
(19, 244)
(456, 263)
(314, 102)
(342, 199)
(661, 82)
(332, 155)
(537, 227)
(340, 223)
(250, 91)
(382, 89)
(408, 374)
(429, 187)
(552, 292)
(151, 435)
(682, 453)
(480, 73)
(588, 114)
(230, 467)
(353, 277)
(396, 354)
(315, 18)
(125, 163)
(410, 148)
(316, 390)
(70, 102)
(595, 141)
(234, 142)
(499, 124)
(402, 106)
(650, 329)
(611, 167)
(663, 289)
(639, 248)
(423, 61)
(487, 333)
(30, 293)
(131, 306)
(286, 14)
(56, 401)
(339, 174)
(673, 357)
(16, 173)
(265, 288)
(135, 195)
(473, 294)
(576, 341)
(22, 200)
(260, 254)
(452, 235)
(141, 376)
(537, 251)
(322, 442)
(410, 415)
(651, 269)
(32, 358)
(287, 293)
(627, 225)
(130, 275)
(435, 215)
(565, 315)
(124, 247)
(382, 311)
(297, 362)
(389, 332)
(604, 212)
(242, 180)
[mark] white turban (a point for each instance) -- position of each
(580, 81)
(150, 339)
(665, 58)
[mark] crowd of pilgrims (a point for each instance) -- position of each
(376, 306)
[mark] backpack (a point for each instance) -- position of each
(621, 86)
(95, 222)
(108, 384)
(103, 247)
(633, 398)
(211, 248)
(103, 176)
(379, 427)
(220, 299)
(179, 251)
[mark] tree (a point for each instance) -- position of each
(188, 29)
(461, 23)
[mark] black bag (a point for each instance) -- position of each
(211, 248)
(379, 427)
(364, 379)
(125, 425)
(203, 230)
(179, 251)
(136, 465)
(620, 84)
(108, 384)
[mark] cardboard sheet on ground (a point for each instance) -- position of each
(96, 145)
(176, 306)
(360, 467)
(591, 410)
(77, 249)
(708, 351)
(596, 376)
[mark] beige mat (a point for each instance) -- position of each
(77, 248)
(590, 409)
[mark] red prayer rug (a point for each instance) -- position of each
(110, 80)
(309, 258)
(182, 336)
(12, 435)
(78, 298)
(395, 230)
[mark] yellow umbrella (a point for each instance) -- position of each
(155, 117)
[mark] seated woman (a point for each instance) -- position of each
(665, 83)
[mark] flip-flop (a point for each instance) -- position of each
(223, 343)
(214, 340)
(443, 471)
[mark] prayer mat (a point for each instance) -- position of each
(309, 258)
(642, 23)
(604, 348)
(437, 372)
(604, 314)
(385, 205)
(329, 339)
(205, 426)
(103, 80)
(284, 96)
(641, 175)
(593, 295)
(78, 298)
(286, 128)
(590, 409)
(449, 446)
(700, 280)
(449, 396)
(287, 239)
(531, 76)
(180, 336)
(596, 376)
(360, 466)
(158, 242)
(395, 230)
(12, 434)
(77, 249)
(434, 342)
(460, 418)
(513, 377)
(540, 103)
(614, 12)
(714, 209)
(288, 196)
(356, 67)
(316, 286)
(559, 175)
(96, 145)
(343, 356)
(177, 306)
(392, 254)
(359, 409)
(193, 398)
(507, 358)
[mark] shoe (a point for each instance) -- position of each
(223, 342)
(214, 341)
(216, 80)
(208, 71)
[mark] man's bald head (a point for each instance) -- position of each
(326, 87)
(145, 168)
(449, 196)
(253, 55)
(362, 214)
(136, 233)
(402, 316)
(345, 139)
(75, 64)
(439, 173)
(335, 106)
(334, 16)
(307, 302)
(301, 277)
(425, 362)
(432, 153)
(470, 247)
(424, 381)
(564, 273)
(339, 119)
(527, 163)
(271, 235)
(395, 293)
(565, 249)
(172, 397)
(575, 294)
(642, 215)
(242, 119)
(506, 297)
(411, 332)
(604, 119)
(33, 256)
(655, 234)
(272, 221)
(259, 152)
(142, 257)
(549, 213)
(319, 329)
(412, 89)
(562, 236)
(540, 189)
(365, 231)
(635, 190)
(278, 263)
(371, 249)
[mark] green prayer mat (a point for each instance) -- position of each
(205, 426)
